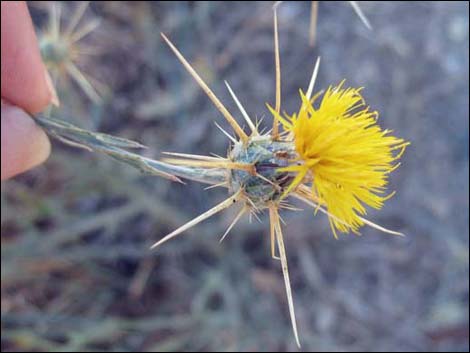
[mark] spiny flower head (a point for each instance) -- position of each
(344, 152)
(334, 158)
(332, 155)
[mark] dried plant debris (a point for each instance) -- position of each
(314, 17)
(331, 155)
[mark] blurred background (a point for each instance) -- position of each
(76, 270)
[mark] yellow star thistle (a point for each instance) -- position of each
(345, 153)
(334, 158)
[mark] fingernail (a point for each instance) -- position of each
(50, 86)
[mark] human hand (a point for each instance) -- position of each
(26, 89)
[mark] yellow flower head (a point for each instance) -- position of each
(344, 153)
(332, 156)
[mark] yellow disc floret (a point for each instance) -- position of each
(344, 153)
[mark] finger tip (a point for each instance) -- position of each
(24, 77)
(24, 144)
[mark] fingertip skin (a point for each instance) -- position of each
(23, 73)
(24, 144)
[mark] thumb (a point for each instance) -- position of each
(23, 145)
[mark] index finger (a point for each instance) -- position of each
(23, 73)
